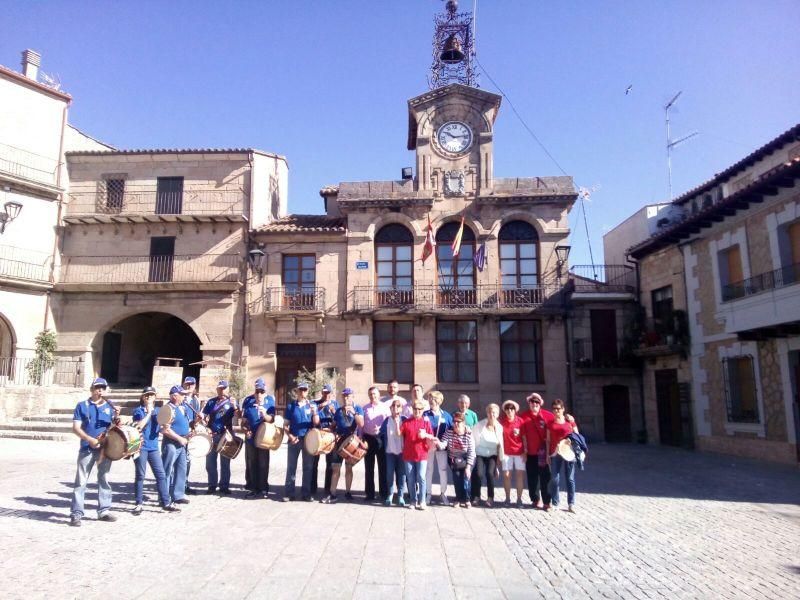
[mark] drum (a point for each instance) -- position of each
(229, 445)
(200, 442)
(166, 414)
(269, 436)
(122, 441)
(352, 449)
(319, 441)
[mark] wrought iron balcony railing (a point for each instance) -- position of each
(201, 268)
(27, 265)
(117, 199)
(669, 330)
(28, 165)
(434, 297)
(16, 372)
(284, 299)
(763, 282)
(603, 278)
(585, 357)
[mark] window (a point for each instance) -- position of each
(662, 310)
(456, 351)
(789, 246)
(456, 275)
(299, 277)
(394, 265)
(521, 351)
(162, 254)
(169, 196)
(730, 272)
(519, 264)
(393, 347)
(115, 194)
(740, 389)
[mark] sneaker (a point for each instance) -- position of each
(285, 499)
(410, 505)
(443, 499)
(137, 510)
(182, 501)
(333, 500)
(108, 517)
(422, 506)
(538, 505)
(387, 502)
(400, 501)
(170, 508)
(462, 504)
(75, 521)
(571, 508)
(467, 504)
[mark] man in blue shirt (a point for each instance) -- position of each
(219, 413)
(90, 421)
(193, 400)
(257, 409)
(326, 409)
(348, 418)
(173, 445)
(144, 419)
(299, 420)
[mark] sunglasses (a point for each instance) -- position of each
(509, 408)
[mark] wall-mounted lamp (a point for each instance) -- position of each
(562, 254)
(254, 257)
(11, 212)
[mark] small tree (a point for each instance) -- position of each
(316, 379)
(236, 383)
(43, 359)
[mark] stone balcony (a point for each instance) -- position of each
(211, 272)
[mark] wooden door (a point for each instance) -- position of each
(617, 413)
(109, 366)
(669, 407)
(604, 337)
(291, 359)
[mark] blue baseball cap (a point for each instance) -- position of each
(260, 385)
(176, 389)
(327, 388)
(99, 381)
(148, 390)
(190, 380)
(347, 392)
(222, 384)
(302, 385)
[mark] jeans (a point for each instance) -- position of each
(211, 469)
(328, 472)
(461, 483)
(174, 457)
(257, 468)
(86, 460)
(484, 469)
(395, 475)
(157, 467)
(294, 451)
(415, 479)
(555, 469)
(538, 479)
(374, 452)
(437, 458)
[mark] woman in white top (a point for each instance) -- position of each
(488, 437)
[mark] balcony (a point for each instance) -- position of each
(664, 336)
(433, 298)
(23, 265)
(763, 282)
(219, 272)
(143, 203)
(283, 300)
(603, 279)
(621, 362)
(28, 166)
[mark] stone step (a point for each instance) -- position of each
(40, 426)
(65, 417)
(36, 435)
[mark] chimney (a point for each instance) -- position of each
(30, 64)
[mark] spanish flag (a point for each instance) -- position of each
(456, 247)
(430, 243)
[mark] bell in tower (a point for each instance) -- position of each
(453, 49)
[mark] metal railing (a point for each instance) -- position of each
(669, 330)
(200, 268)
(434, 297)
(763, 282)
(603, 278)
(584, 357)
(287, 299)
(28, 265)
(110, 199)
(18, 372)
(28, 165)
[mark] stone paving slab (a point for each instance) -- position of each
(651, 523)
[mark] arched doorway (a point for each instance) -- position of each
(129, 348)
(7, 345)
(616, 413)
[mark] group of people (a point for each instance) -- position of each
(409, 441)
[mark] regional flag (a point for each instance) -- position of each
(456, 246)
(430, 243)
(480, 257)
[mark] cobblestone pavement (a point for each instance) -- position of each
(651, 523)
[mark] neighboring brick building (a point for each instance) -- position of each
(720, 287)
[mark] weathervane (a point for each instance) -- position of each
(453, 48)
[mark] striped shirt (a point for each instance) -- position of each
(460, 445)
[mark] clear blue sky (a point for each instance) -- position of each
(326, 84)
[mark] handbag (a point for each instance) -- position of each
(459, 463)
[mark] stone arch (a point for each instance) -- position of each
(392, 217)
(8, 339)
(124, 351)
(517, 215)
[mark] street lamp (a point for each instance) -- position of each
(562, 254)
(12, 210)
(255, 256)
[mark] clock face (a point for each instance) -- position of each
(454, 136)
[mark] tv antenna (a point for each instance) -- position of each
(672, 143)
